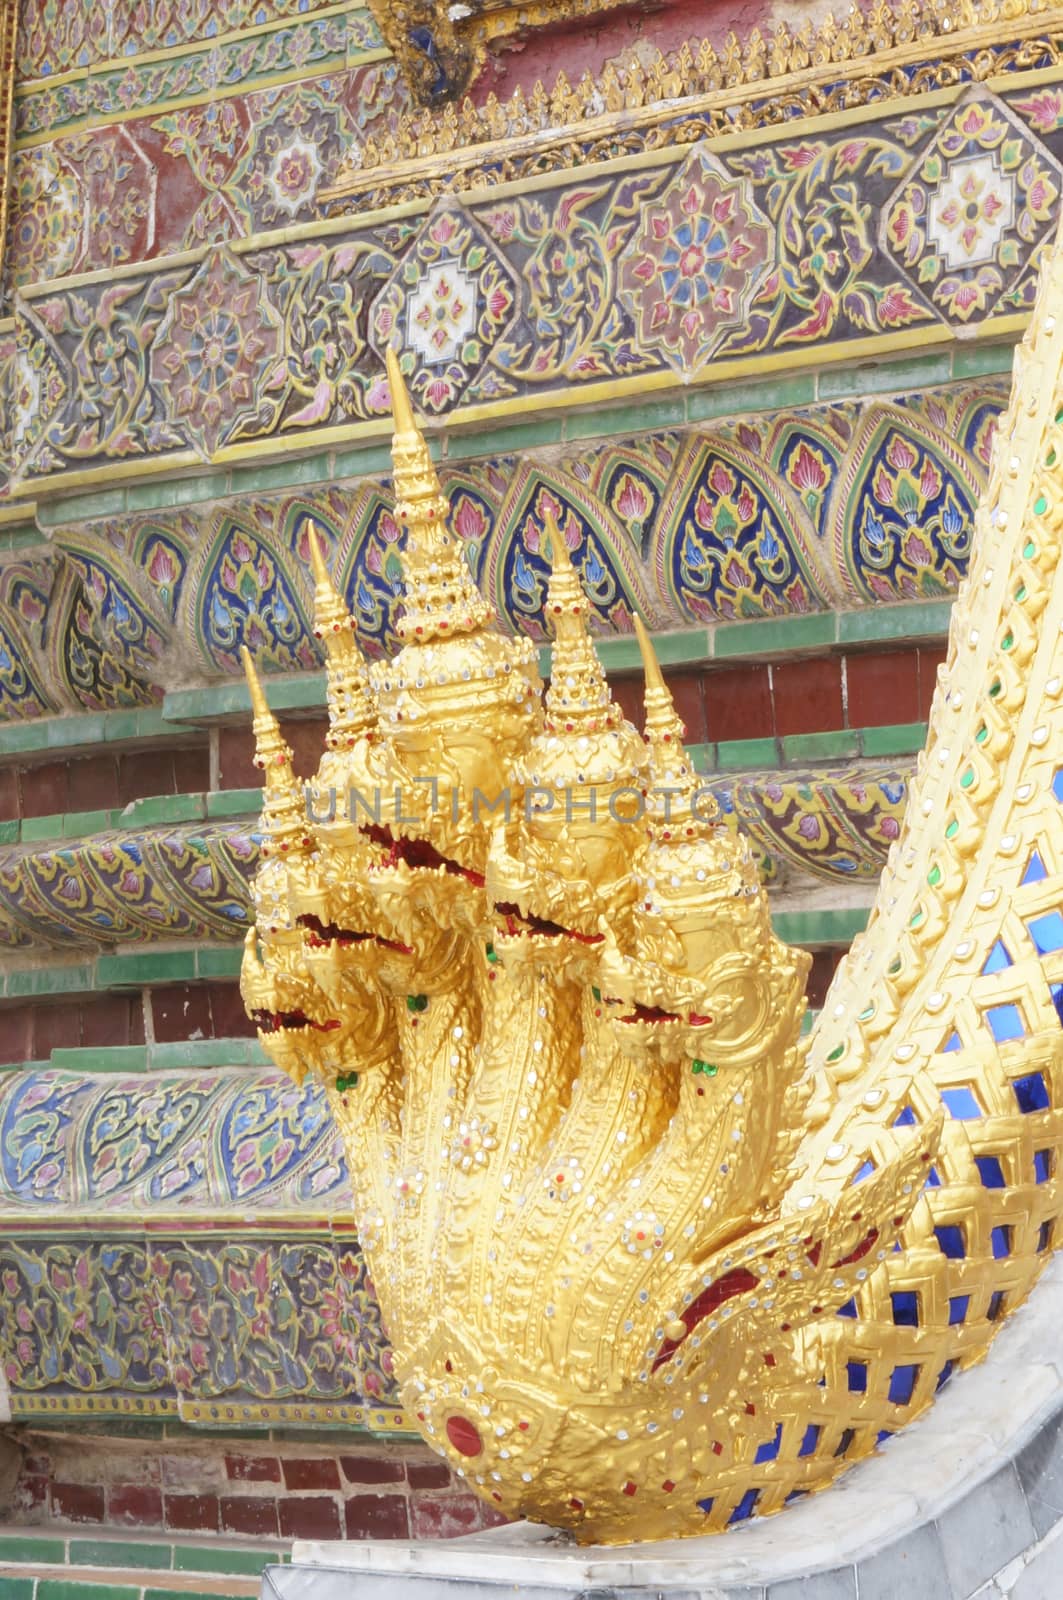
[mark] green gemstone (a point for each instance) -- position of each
(1007, 641)
(952, 830)
(895, 966)
(933, 877)
(492, 953)
(416, 1002)
(868, 1012)
(703, 1066)
(837, 1053)
(595, 991)
(1050, 458)
(1040, 506)
(1020, 594)
(917, 918)
(967, 778)
(346, 1080)
(995, 688)
(1029, 550)
(982, 735)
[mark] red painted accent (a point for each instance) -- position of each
(737, 1281)
(861, 1250)
(444, 1516)
(464, 1436)
(815, 1253)
(134, 1505)
(77, 1502)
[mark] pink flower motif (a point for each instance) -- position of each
(378, 395)
(632, 502)
(720, 480)
(387, 528)
(806, 470)
(162, 568)
(900, 454)
(746, 505)
(470, 524)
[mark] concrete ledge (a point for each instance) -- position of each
(967, 1501)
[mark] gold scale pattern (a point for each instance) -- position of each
(649, 1263)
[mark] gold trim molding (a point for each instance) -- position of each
(8, 32)
(696, 92)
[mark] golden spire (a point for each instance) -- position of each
(351, 711)
(673, 782)
(440, 596)
(283, 804)
(578, 692)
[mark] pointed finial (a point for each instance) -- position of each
(673, 782)
(350, 704)
(282, 800)
(441, 599)
(578, 692)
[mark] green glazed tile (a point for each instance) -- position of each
(281, 474)
(12, 1588)
(79, 824)
(107, 1058)
(77, 1589)
(285, 692)
(217, 962)
(154, 966)
(770, 636)
(216, 1558)
(119, 1553)
(733, 754)
(372, 461)
(729, 399)
(19, 1549)
(9, 831)
(837, 744)
(615, 421)
(26, 982)
(36, 829)
(837, 927)
(886, 377)
(979, 360)
(81, 508)
(926, 619)
(503, 441)
(234, 803)
(898, 739)
(164, 808)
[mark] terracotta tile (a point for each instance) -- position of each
(314, 1472)
(377, 1516)
(883, 687)
(444, 1516)
(134, 1505)
(229, 1019)
(309, 1517)
(930, 658)
(56, 1027)
(144, 772)
(93, 784)
(107, 1019)
(627, 692)
(191, 768)
(253, 1469)
(191, 1513)
(256, 1514)
(45, 789)
(687, 694)
(738, 704)
(16, 1033)
(236, 750)
(428, 1475)
(77, 1502)
(9, 794)
(181, 1011)
(807, 695)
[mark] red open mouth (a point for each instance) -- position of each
(539, 927)
(274, 1021)
(416, 853)
(321, 933)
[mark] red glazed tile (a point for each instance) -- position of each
(9, 794)
(192, 1513)
(310, 1473)
(738, 704)
(807, 695)
(373, 1469)
(311, 1517)
(45, 790)
(249, 1514)
(428, 1475)
(882, 687)
(93, 784)
(107, 1019)
(687, 695)
(191, 768)
(444, 1516)
(377, 1516)
(77, 1502)
(143, 773)
(627, 692)
(236, 767)
(253, 1469)
(16, 1033)
(56, 1027)
(180, 1011)
(930, 658)
(134, 1505)
(229, 1018)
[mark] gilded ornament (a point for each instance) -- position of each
(650, 1262)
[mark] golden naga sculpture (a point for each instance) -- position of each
(650, 1262)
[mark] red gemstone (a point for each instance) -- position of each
(631, 1488)
(464, 1436)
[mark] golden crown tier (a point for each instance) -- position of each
(650, 1262)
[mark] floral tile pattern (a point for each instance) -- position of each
(966, 224)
